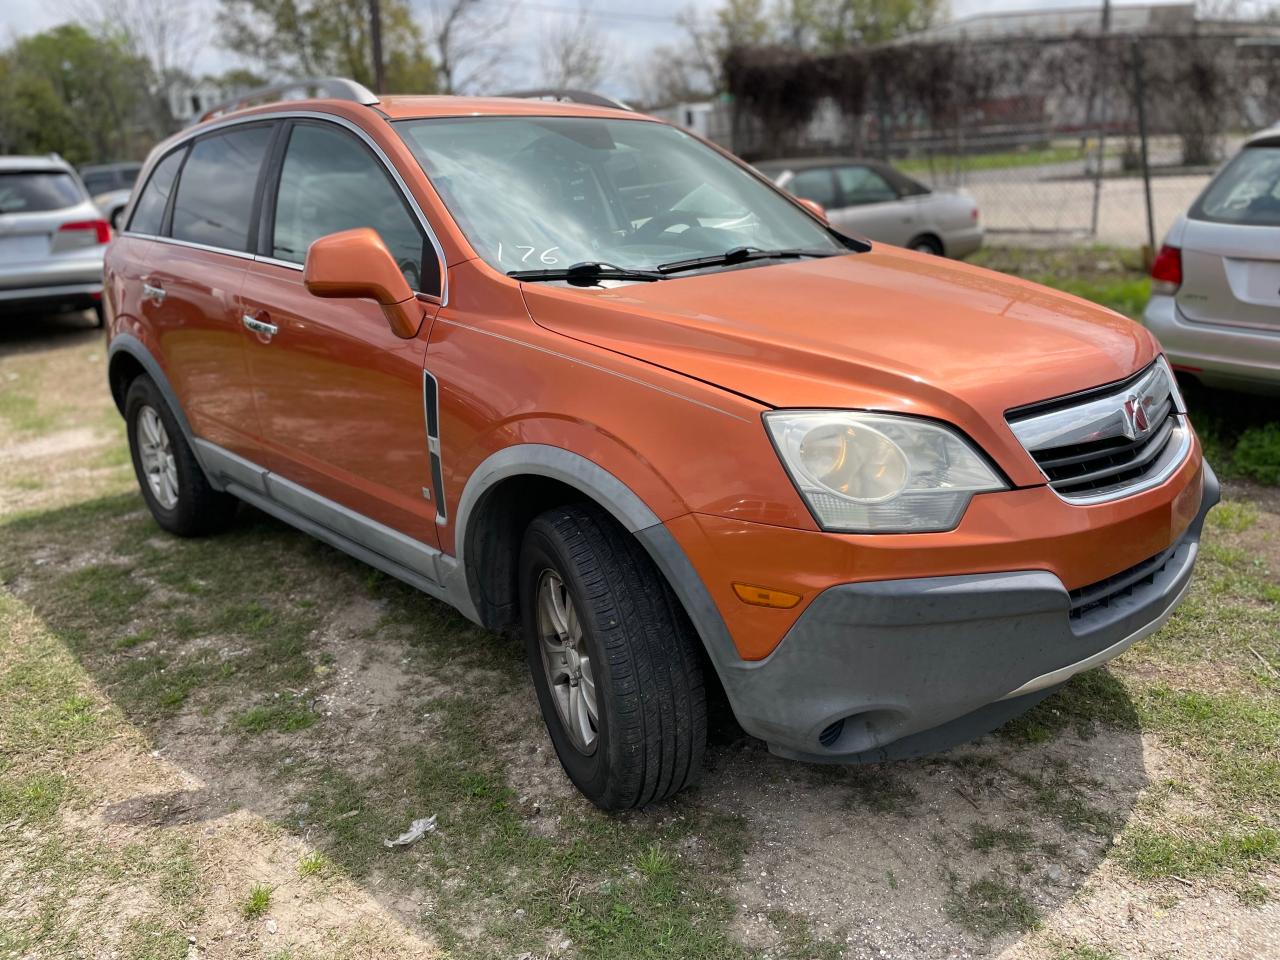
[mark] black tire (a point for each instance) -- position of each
(652, 718)
(199, 509)
(927, 243)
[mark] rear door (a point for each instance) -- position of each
(1231, 245)
(193, 277)
(340, 395)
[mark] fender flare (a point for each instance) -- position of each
(624, 505)
(129, 344)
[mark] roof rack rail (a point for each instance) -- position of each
(569, 96)
(335, 88)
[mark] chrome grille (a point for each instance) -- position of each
(1110, 442)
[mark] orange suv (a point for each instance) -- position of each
(574, 371)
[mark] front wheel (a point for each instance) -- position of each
(614, 660)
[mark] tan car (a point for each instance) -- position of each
(871, 199)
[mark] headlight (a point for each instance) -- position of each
(878, 472)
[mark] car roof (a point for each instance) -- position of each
(1264, 136)
(413, 106)
(423, 106)
(45, 161)
(101, 167)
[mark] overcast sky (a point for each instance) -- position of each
(629, 29)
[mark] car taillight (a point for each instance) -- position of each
(1166, 272)
(99, 229)
(973, 214)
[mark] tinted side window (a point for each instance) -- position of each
(330, 182)
(215, 192)
(148, 213)
(815, 185)
(863, 185)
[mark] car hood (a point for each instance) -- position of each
(884, 330)
(888, 329)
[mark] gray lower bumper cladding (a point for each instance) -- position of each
(900, 668)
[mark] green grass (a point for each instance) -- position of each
(313, 864)
(1257, 453)
(1198, 850)
(992, 906)
(257, 902)
(23, 413)
(285, 716)
(1233, 516)
(990, 161)
(1080, 951)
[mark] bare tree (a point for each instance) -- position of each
(165, 33)
(468, 37)
(573, 52)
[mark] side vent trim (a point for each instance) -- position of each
(431, 412)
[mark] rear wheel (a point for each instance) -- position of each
(927, 244)
(614, 660)
(172, 482)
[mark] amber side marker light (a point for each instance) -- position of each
(764, 597)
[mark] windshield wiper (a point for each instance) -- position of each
(740, 255)
(587, 273)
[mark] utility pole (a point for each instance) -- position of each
(375, 37)
(1100, 81)
(1140, 89)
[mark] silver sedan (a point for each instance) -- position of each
(872, 199)
(1215, 284)
(52, 238)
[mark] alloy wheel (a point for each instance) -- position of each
(156, 453)
(567, 662)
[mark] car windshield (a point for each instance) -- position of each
(541, 193)
(37, 191)
(1247, 191)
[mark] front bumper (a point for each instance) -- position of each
(892, 669)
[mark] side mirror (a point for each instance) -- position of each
(356, 263)
(814, 207)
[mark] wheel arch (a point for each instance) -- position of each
(127, 359)
(931, 236)
(516, 484)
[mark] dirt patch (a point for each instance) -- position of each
(878, 857)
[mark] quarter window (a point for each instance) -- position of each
(329, 183)
(214, 204)
(148, 214)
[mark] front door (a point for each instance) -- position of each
(339, 395)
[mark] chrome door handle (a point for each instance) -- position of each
(259, 326)
(150, 292)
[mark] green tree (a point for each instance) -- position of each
(829, 26)
(68, 91)
(296, 38)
